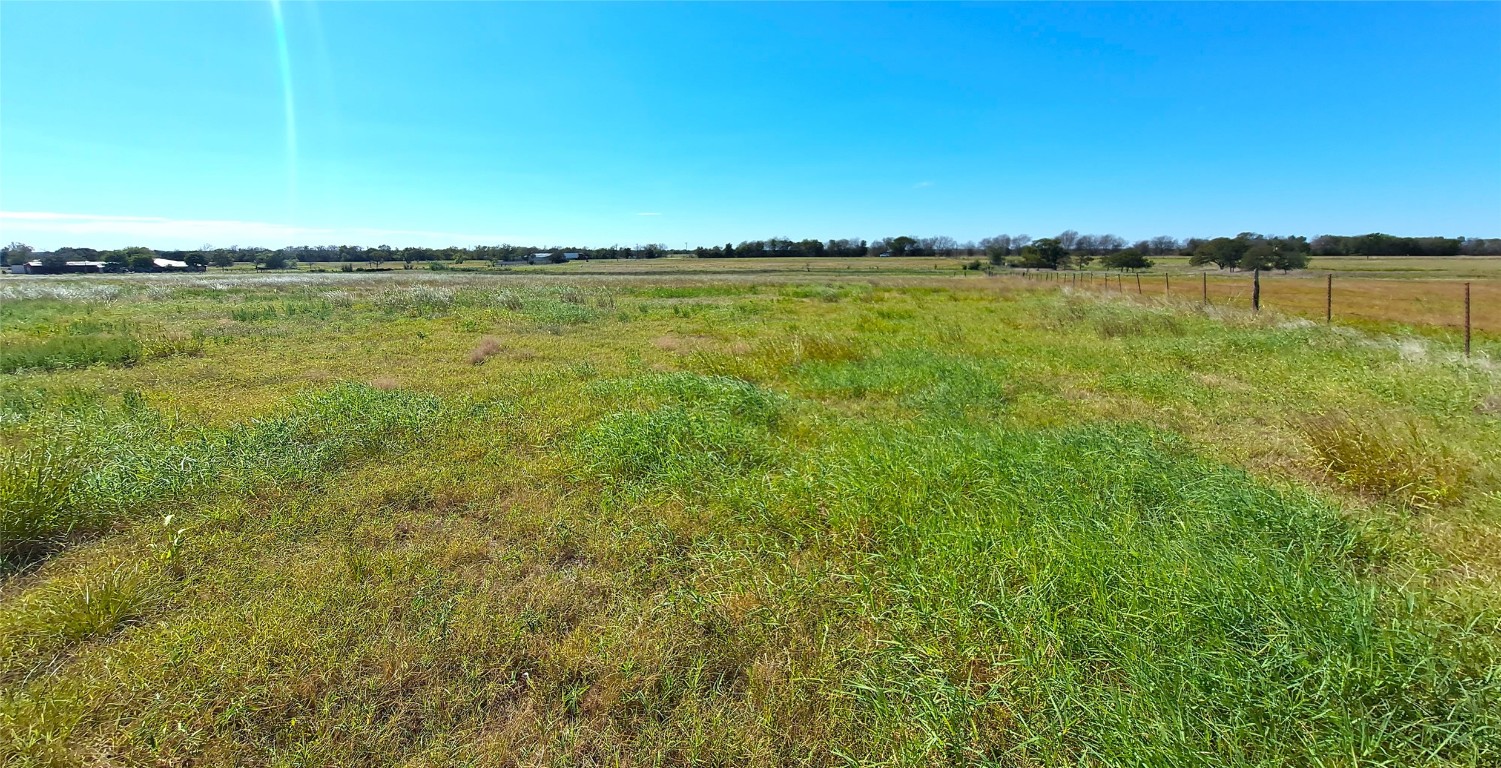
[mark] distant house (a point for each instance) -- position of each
(546, 258)
(51, 267)
(170, 265)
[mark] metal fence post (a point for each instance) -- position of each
(1329, 300)
(1467, 319)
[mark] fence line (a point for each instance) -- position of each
(1381, 299)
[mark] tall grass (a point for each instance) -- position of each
(37, 501)
(1099, 596)
(57, 352)
(118, 463)
(1401, 461)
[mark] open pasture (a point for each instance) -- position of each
(682, 512)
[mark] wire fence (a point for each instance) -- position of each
(1467, 309)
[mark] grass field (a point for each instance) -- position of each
(678, 512)
(1396, 294)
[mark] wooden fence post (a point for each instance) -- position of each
(1205, 275)
(1256, 289)
(1138, 283)
(1167, 284)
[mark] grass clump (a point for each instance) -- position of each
(93, 606)
(487, 348)
(1400, 461)
(706, 428)
(37, 501)
(123, 462)
(927, 384)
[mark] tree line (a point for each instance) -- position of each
(1066, 250)
(139, 258)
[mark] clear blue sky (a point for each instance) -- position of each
(455, 124)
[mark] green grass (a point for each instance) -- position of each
(69, 352)
(446, 518)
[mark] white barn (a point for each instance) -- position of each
(544, 258)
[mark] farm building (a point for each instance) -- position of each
(38, 267)
(545, 258)
(168, 265)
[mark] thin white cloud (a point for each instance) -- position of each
(101, 230)
(649, 213)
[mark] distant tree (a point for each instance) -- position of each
(221, 259)
(136, 258)
(1223, 252)
(1260, 255)
(810, 247)
(1163, 245)
(1480, 246)
(1046, 253)
(1068, 240)
(1130, 258)
(557, 257)
(1290, 259)
(271, 260)
(901, 246)
(729, 250)
(996, 248)
(54, 262)
(196, 261)
(941, 245)
(16, 253)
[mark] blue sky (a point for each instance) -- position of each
(167, 124)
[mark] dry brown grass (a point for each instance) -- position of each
(385, 383)
(487, 348)
(1418, 303)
